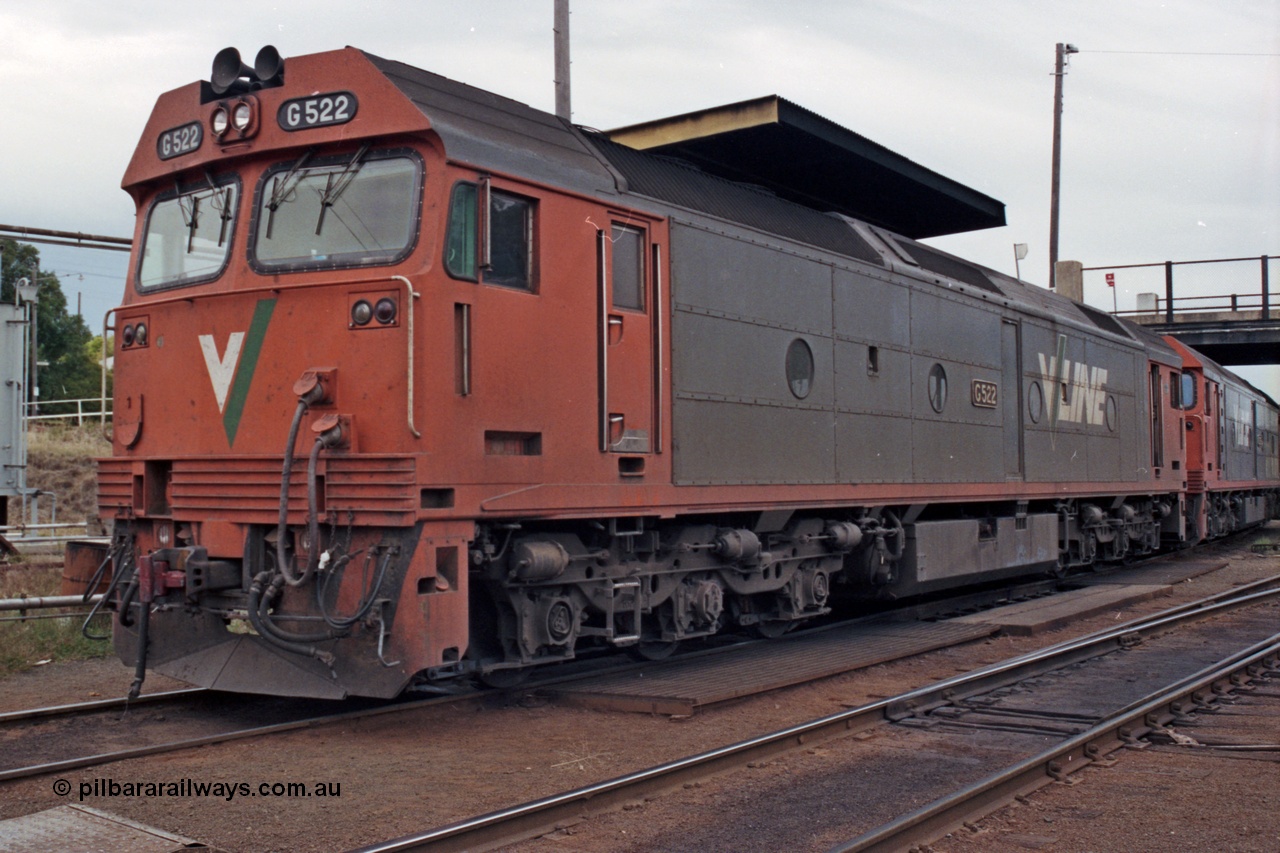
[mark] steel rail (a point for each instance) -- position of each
(221, 737)
(538, 817)
(96, 705)
(1056, 763)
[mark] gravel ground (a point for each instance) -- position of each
(402, 773)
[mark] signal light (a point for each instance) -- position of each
(219, 121)
(234, 119)
(242, 116)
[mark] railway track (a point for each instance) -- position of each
(1127, 727)
(32, 741)
(28, 738)
(1081, 741)
(40, 764)
(8, 718)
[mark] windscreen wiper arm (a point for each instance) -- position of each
(335, 188)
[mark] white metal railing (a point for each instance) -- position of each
(85, 409)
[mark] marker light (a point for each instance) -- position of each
(385, 310)
(361, 313)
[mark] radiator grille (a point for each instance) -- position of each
(378, 489)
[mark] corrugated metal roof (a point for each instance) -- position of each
(813, 161)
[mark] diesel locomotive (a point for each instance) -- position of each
(415, 382)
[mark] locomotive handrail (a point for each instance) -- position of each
(103, 422)
(602, 334)
(659, 389)
(410, 294)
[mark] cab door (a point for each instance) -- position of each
(627, 305)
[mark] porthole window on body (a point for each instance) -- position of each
(800, 368)
(937, 388)
(1035, 402)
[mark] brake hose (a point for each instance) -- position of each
(366, 602)
(264, 588)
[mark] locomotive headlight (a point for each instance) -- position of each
(219, 120)
(127, 335)
(242, 116)
(385, 310)
(140, 334)
(361, 313)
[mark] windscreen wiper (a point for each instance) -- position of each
(193, 222)
(282, 189)
(335, 188)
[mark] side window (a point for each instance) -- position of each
(493, 248)
(628, 267)
(1189, 388)
(460, 244)
(511, 240)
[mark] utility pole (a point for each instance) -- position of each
(33, 299)
(563, 110)
(1059, 71)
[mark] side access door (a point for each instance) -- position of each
(629, 346)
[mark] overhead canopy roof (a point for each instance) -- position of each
(803, 157)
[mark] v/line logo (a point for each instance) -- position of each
(231, 371)
(1079, 390)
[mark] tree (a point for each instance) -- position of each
(63, 339)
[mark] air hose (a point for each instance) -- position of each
(264, 588)
(117, 558)
(140, 663)
(366, 603)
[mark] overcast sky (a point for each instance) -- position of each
(1171, 131)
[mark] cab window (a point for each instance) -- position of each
(490, 243)
(1189, 387)
(353, 210)
(188, 235)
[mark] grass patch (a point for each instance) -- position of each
(61, 460)
(23, 644)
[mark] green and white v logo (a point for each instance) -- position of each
(231, 385)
